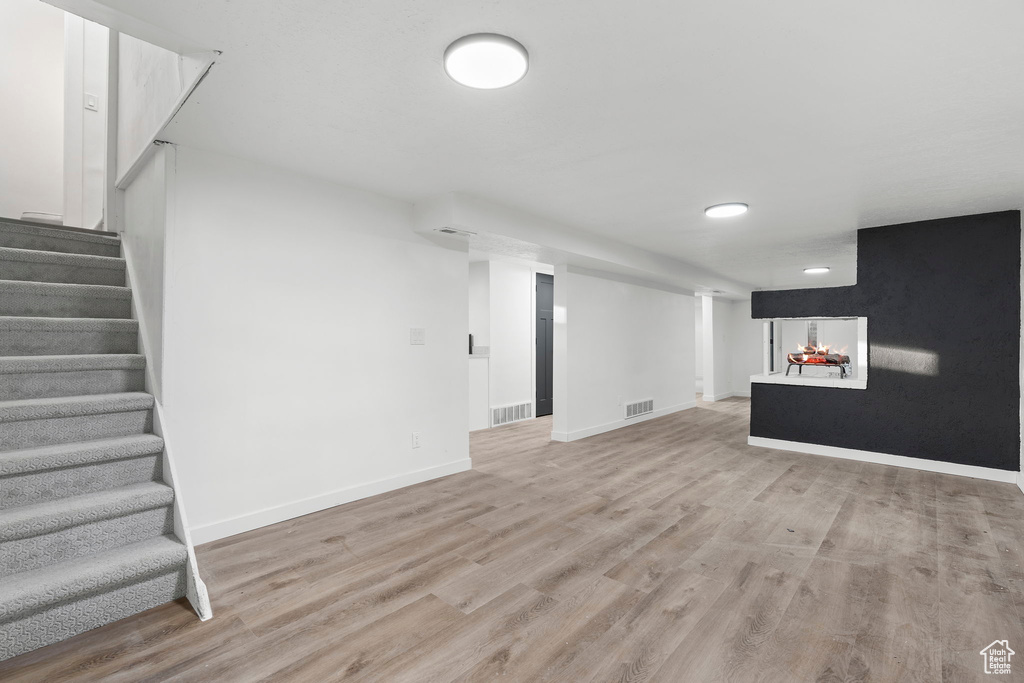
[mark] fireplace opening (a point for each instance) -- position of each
(829, 352)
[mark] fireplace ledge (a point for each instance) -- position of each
(826, 382)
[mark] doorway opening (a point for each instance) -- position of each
(511, 330)
(545, 343)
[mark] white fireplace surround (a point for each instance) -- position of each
(860, 375)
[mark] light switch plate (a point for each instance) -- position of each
(92, 103)
(417, 336)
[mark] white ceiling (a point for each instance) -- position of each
(824, 116)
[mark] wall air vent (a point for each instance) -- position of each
(513, 413)
(455, 232)
(639, 408)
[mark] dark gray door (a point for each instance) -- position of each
(545, 341)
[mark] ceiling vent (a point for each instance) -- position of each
(455, 232)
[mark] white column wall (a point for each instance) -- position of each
(718, 348)
(698, 311)
(746, 347)
(512, 369)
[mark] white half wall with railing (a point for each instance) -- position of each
(146, 224)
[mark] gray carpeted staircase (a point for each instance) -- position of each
(86, 520)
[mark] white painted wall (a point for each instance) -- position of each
(145, 225)
(289, 381)
(86, 47)
(698, 322)
(150, 80)
(479, 393)
(618, 341)
(747, 347)
(717, 316)
(480, 303)
(32, 118)
(513, 374)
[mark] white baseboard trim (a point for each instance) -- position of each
(972, 471)
(1020, 481)
(204, 533)
(730, 394)
(619, 424)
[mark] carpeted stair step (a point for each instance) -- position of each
(38, 475)
(52, 376)
(32, 265)
(59, 300)
(36, 536)
(27, 236)
(23, 336)
(34, 422)
(49, 605)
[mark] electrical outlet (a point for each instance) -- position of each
(415, 439)
(417, 336)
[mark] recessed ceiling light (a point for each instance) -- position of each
(726, 210)
(486, 61)
(816, 270)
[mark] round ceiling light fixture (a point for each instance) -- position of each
(726, 210)
(486, 61)
(816, 270)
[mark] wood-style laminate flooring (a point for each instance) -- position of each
(667, 551)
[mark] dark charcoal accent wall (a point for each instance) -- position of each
(949, 286)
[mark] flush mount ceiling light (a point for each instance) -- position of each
(817, 270)
(486, 61)
(726, 210)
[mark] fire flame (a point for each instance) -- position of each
(819, 350)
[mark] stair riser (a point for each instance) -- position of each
(27, 271)
(69, 306)
(27, 554)
(16, 386)
(18, 240)
(43, 432)
(49, 343)
(26, 632)
(46, 485)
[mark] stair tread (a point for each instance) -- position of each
(58, 232)
(14, 287)
(71, 363)
(98, 573)
(45, 324)
(53, 515)
(61, 258)
(68, 406)
(78, 453)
